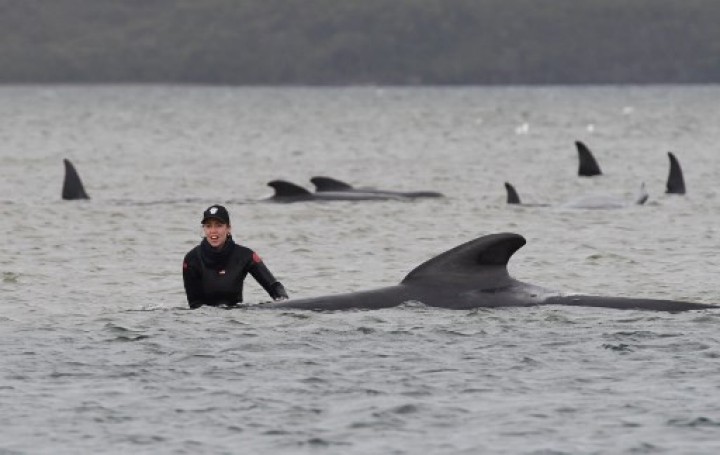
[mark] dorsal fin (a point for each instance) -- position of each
(512, 195)
(286, 189)
(464, 261)
(642, 195)
(329, 184)
(72, 185)
(675, 181)
(588, 167)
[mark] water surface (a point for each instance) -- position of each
(100, 354)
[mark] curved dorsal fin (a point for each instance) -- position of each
(588, 166)
(512, 195)
(329, 184)
(72, 185)
(284, 188)
(675, 181)
(465, 261)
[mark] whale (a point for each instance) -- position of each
(513, 197)
(287, 192)
(587, 164)
(474, 275)
(588, 167)
(73, 188)
(675, 182)
(328, 184)
(589, 202)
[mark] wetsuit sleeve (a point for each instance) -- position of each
(266, 279)
(192, 278)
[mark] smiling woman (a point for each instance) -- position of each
(214, 271)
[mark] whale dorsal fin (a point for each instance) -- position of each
(642, 195)
(675, 181)
(512, 195)
(463, 263)
(329, 184)
(284, 188)
(72, 185)
(588, 166)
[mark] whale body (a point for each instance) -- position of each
(289, 192)
(675, 184)
(596, 201)
(328, 184)
(474, 275)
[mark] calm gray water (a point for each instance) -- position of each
(100, 355)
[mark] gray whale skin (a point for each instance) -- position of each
(474, 275)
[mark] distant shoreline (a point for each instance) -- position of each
(373, 42)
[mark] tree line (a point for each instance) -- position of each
(340, 42)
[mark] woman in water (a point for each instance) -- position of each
(214, 271)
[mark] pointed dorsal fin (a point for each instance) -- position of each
(675, 181)
(329, 184)
(72, 185)
(588, 166)
(284, 188)
(490, 252)
(512, 195)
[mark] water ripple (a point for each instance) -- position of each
(100, 353)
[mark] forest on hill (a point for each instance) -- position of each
(342, 42)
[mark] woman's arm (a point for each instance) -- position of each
(192, 278)
(266, 279)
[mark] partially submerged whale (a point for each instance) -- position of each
(514, 198)
(587, 165)
(675, 184)
(289, 192)
(73, 189)
(593, 201)
(474, 275)
(72, 185)
(328, 184)
(675, 181)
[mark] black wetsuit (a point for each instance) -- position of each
(215, 277)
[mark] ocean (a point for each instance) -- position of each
(100, 353)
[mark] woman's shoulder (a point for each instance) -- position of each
(244, 250)
(192, 254)
(246, 254)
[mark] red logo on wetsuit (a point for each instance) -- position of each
(256, 258)
(185, 265)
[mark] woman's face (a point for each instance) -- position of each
(216, 232)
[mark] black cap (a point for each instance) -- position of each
(218, 212)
